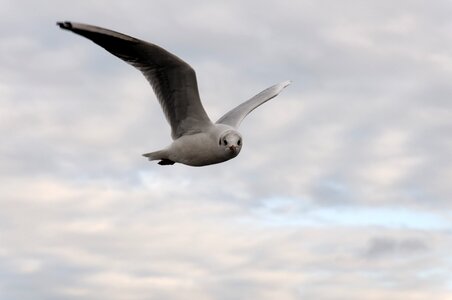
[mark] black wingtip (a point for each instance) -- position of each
(65, 25)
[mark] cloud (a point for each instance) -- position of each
(341, 191)
(384, 246)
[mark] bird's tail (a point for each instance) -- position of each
(161, 155)
(156, 155)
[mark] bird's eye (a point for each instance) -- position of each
(239, 142)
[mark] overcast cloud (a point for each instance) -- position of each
(342, 190)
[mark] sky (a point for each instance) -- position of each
(342, 189)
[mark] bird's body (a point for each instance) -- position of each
(199, 149)
(196, 140)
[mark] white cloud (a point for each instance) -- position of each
(357, 209)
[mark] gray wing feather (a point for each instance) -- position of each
(235, 116)
(172, 79)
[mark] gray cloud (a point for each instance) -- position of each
(381, 247)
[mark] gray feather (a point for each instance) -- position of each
(172, 79)
(235, 116)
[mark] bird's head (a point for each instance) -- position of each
(231, 142)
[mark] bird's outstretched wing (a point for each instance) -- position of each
(235, 116)
(173, 80)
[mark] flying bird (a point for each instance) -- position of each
(196, 140)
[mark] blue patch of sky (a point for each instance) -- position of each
(296, 212)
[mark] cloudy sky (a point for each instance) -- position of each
(342, 190)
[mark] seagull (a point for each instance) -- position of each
(196, 140)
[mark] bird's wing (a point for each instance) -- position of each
(173, 80)
(235, 116)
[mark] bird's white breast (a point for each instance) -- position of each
(199, 149)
